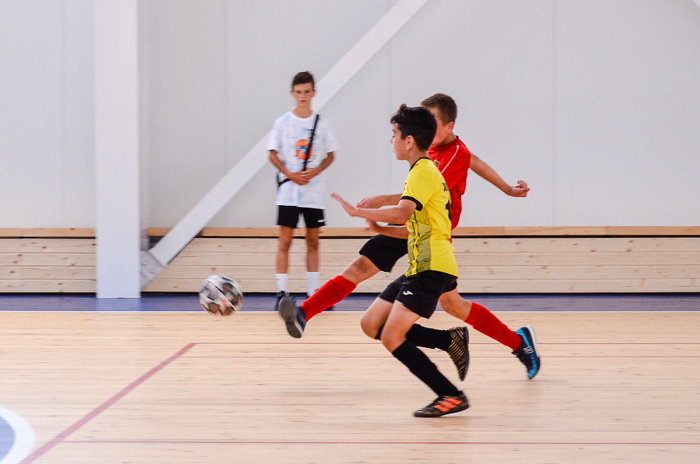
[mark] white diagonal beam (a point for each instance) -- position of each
(349, 65)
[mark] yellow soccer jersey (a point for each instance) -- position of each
(430, 225)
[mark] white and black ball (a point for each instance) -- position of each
(221, 295)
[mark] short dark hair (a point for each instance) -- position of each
(304, 77)
(418, 122)
(445, 106)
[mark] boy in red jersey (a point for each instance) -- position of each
(382, 251)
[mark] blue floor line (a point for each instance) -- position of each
(357, 302)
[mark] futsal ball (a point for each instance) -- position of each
(221, 295)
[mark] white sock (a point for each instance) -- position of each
(312, 279)
(282, 280)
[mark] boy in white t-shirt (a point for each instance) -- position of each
(301, 178)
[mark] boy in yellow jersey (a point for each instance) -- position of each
(425, 209)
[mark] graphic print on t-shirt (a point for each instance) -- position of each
(302, 146)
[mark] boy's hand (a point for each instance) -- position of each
(351, 210)
(300, 178)
(373, 226)
(519, 190)
(304, 177)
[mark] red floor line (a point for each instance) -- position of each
(331, 442)
(476, 343)
(286, 343)
(479, 356)
(61, 437)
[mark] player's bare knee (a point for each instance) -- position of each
(360, 270)
(391, 340)
(369, 327)
(284, 245)
(455, 305)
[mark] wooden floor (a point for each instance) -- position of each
(184, 387)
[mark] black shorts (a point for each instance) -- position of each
(420, 292)
(384, 251)
(289, 216)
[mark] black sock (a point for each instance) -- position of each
(423, 368)
(429, 338)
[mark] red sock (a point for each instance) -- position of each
(485, 322)
(330, 293)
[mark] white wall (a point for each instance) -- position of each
(627, 113)
(46, 114)
(595, 103)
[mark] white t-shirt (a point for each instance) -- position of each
(290, 135)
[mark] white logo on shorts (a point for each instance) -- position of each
(406, 292)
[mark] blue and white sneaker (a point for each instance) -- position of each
(294, 317)
(528, 353)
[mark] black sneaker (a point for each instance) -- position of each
(280, 295)
(459, 350)
(528, 353)
(444, 405)
(294, 317)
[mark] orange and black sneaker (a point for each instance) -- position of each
(444, 405)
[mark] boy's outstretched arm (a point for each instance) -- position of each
(388, 230)
(378, 201)
(482, 169)
(398, 214)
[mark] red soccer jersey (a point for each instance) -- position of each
(453, 159)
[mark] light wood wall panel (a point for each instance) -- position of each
(643, 261)
(47, 263)
(527, 264)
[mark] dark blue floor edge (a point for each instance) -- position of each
(357, 302)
